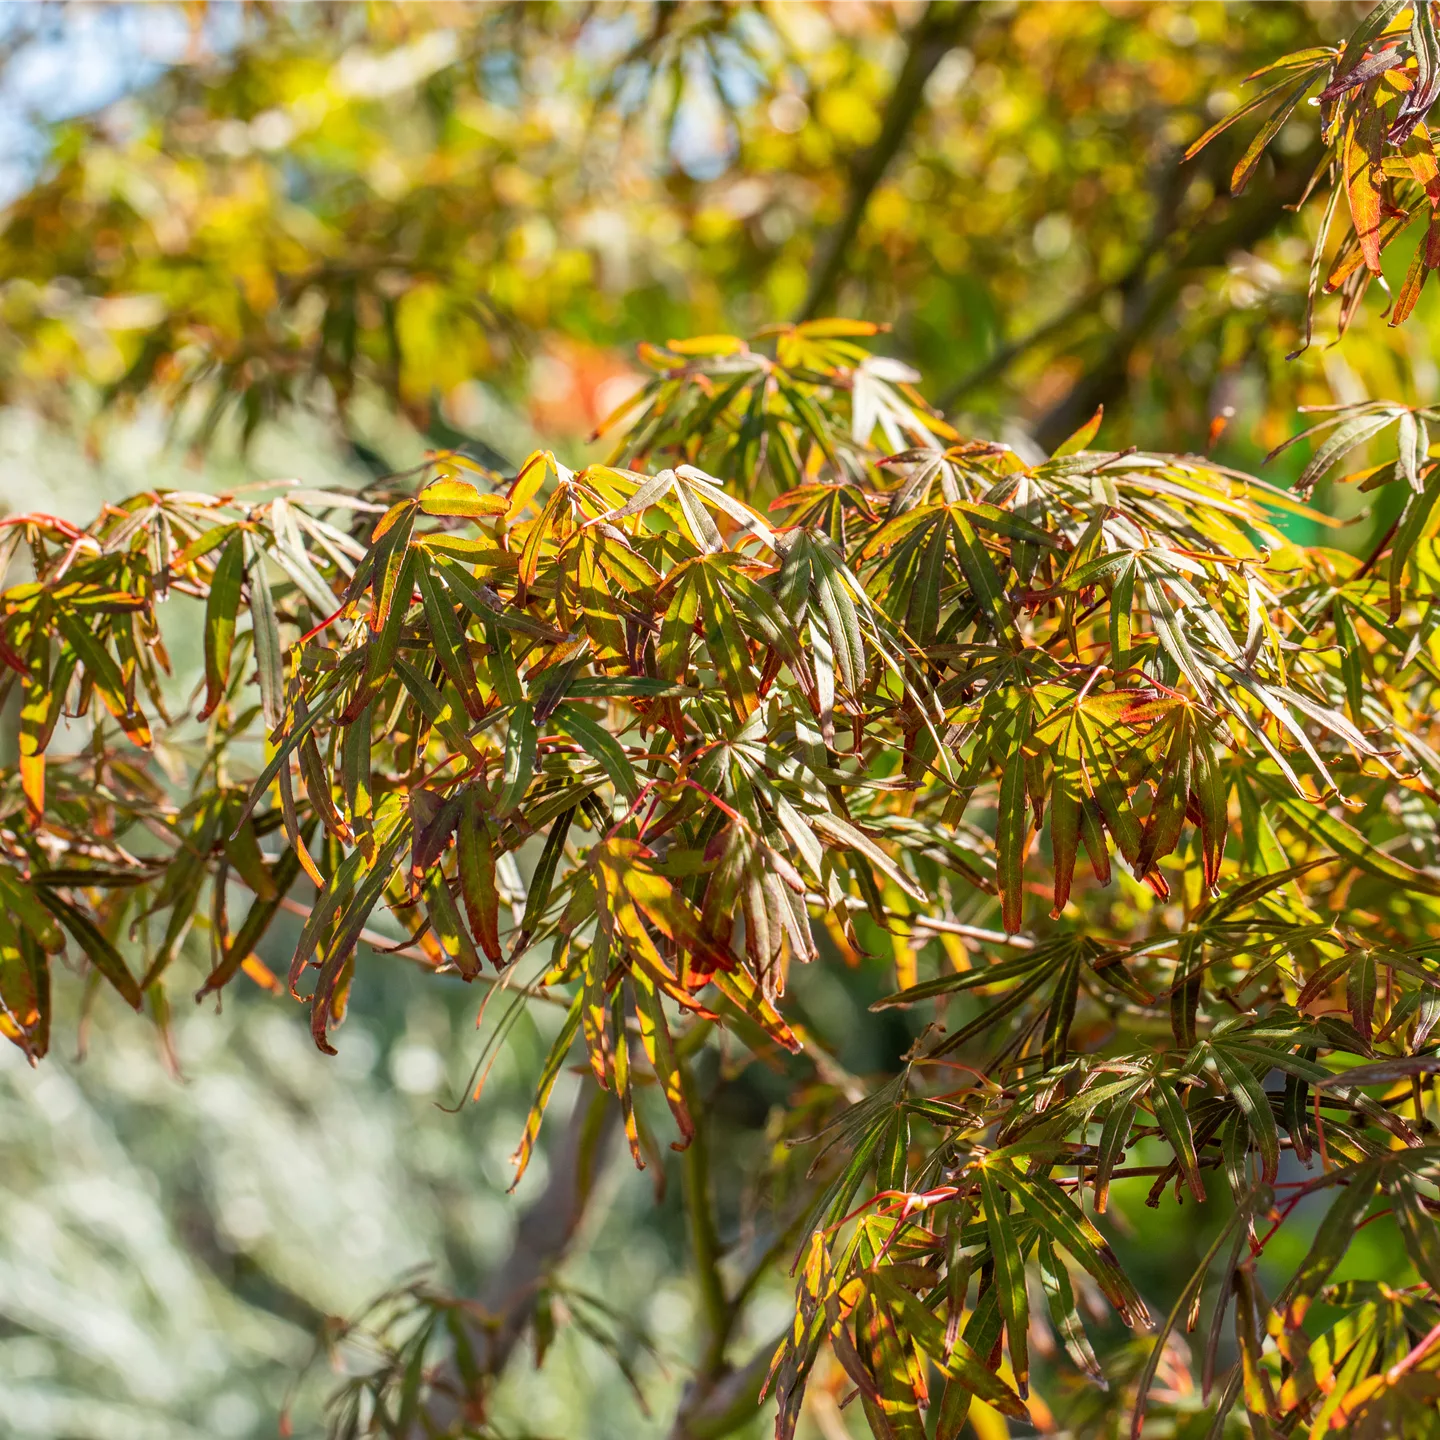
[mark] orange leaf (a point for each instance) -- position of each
(1364, 178)
(261, 974)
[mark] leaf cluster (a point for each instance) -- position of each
(800, 676)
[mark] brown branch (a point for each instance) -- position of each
(1170, 180)
(729, 1402)
(1377, 554)
(1248, 219)
(1007, 355)
(542, 1240)
(717, 1312)
(943, 25)
(1171, 190)
(720, 1397)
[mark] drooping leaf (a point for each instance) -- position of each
(221, 608)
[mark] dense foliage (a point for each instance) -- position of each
(419, 199)
(720, 738)
(801, 675)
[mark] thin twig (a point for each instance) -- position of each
(969, 932)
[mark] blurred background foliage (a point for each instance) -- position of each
(471, 209)
(255, 240)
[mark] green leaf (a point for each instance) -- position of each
(1013, 826)
(1114, 1135)
(1055, 1046)
(600, 745)
(957, 1360)
(1081, 439)
(487, 606)
(995, 974)
(257, 921)
(102, 672)
(354, 913)
(448, 639)
(1344, 437)
(1065, 1223)
(1008, 525)
(549, 1073)
(1212, 795)
(1064, 1314)
(851, 837)
(1122, 608)
(841, 620)
(923, 617)
(475, 845)
(222, 605)
(1254, 1103)
(1167, 813)
(268, 668)
(542, 881)
(1067, 798)
(985, 584)
(891, 1167)
(890, 1401)
(520, 740)
(1187, 1300)
(1174, 1121)
(660, 1051)
(982, 1334)
(1413, 523)
(1347, 843)
(447, 926)
(382, 650)
(1248, 162)
(1383, 1072)
(1417, 1229)
(29, 908)
(96, 947)
(1009, 1279)
(1360, 990)
(1170, 631)
(435, 707)
(1352, 663)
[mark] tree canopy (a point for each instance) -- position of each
(787, 668)
(326, 198)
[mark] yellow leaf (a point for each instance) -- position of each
(707, 345)
(32, 781)
(987, 1422)
(390, 518)
(460, 498)
(261, 974)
